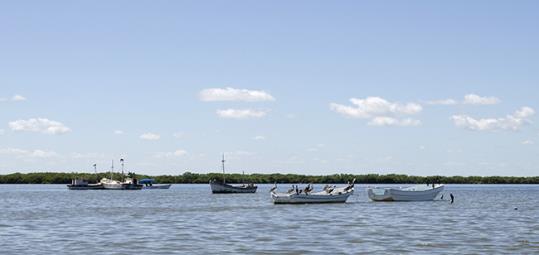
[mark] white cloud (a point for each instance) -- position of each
(20, 153)
(40, 125)
(176, 153)
(479, 100)
(389, 121)
(232, 94)
(448, 101)
(374, 106)
(527, 142)
(239, 153)
(18, 98)
(509, 122)
(241, 113)
(380, 111)
(259, 138)
(118, 132)
(150, 136)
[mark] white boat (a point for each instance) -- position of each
(328, 195)
(111, 184)
(218, 187)
(126, 184)
(413, 193)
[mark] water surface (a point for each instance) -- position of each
(41, 219)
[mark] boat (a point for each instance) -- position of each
(81, 184)
(126, 184)
(218, 187)
(306, 196)
(413, 193)
(148, 184)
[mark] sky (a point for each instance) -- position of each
(307, 87)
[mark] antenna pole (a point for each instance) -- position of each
(111, 169)
(95, 170)
(223, 161)
(122, 160)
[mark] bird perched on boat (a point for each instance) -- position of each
(291, 190)
(350, 185)
(308, 189)
(274, 187)
(330, 189)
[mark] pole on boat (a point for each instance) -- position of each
(122, 160)
(111, 169)
(223, 161)
(95, 170)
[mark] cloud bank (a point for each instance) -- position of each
(509, 122)
(381, 112)
(40, 125)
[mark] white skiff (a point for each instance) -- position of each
(328, 195)
(414, 193)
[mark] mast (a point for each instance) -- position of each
(223, 161)
(111, 169)
(95, 170)
(122, 160)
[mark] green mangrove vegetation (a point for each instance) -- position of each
(189, 177)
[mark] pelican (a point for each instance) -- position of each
(326, 187)
(274, 187)
(291, 190)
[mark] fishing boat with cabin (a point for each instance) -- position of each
(218, 187)
(82, 184)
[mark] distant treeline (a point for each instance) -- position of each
(188, 177)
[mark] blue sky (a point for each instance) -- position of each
(310, 87)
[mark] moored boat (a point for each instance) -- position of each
(306, 196)
(413, 193)
(221, 188)
(126, 184)
(149, 184)
(218, 187)
(81, 184)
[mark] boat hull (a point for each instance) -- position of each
(85, 187)
(164, 186)
(393, 194)
(223, 188)
(310, 198)
(122, 186)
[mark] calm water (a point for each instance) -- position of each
(39, 219)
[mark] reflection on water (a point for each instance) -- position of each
(39, 219)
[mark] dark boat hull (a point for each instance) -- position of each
(85, 187)
(223, 188)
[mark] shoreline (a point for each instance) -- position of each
(195, 178)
